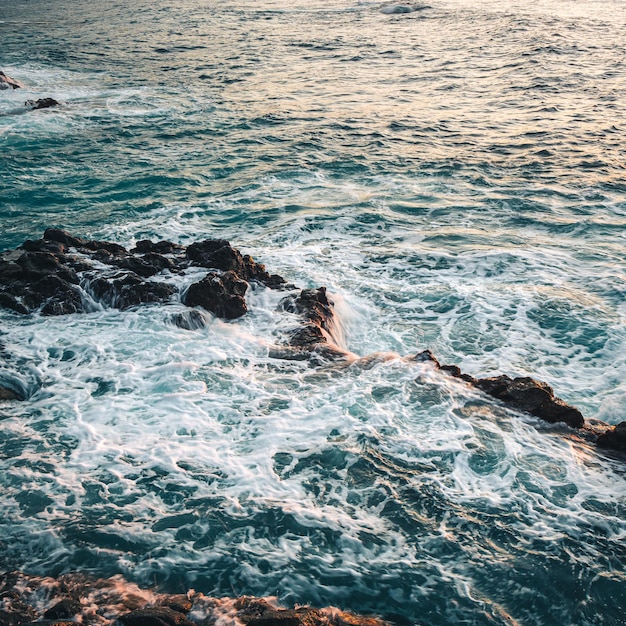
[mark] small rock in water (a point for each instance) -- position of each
(42, 103)
(6, 82)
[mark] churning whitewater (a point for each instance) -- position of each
(453, 175)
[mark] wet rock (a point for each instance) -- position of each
(314, 335)
(6, 82)
(129, 290)
(8, 394)
(43, 245)
(112, 248)
(532, 396)
(614, 438)
(190, 320)
(62, 236)
(216, 254)
(64, 609)
(155, 616)
(221, 294)
(160, 247)
(146, 265)
(313, 305)
(398, 9)
(8, 301)
(259, 612)
(522, 393)
(42, 103)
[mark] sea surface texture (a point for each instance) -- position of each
(455, 176)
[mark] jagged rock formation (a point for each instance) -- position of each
(537, 398)
(62, 274)
(73, 598)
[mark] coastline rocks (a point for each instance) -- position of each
(27, 599)
(532, 396)
(8, 394)
(62, 274)
(155, 616)
(6, 82)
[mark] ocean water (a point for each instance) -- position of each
(455, 176)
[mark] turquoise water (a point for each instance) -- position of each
(454, 176)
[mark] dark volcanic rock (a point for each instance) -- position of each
(315, 333)
(218, 254)
(147, 265)
(534, 397)
(42, 103)
(178, 602)
(44, 275)
(522, 393)
(190, 320)
(128, 290)
(222, 294)
(615, 438)
(160, 247)
(313, 305)
(62, 236)
(155, 616)
(21, 596)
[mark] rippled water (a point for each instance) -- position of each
(454, 176)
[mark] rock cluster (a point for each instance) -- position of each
(75, 599)
(62, 274)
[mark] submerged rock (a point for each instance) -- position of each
(398, 9)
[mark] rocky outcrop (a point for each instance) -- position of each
(42, 103)
(61, 274)
(522, 393)
(73, 598)
(6, 82)
(222, 294)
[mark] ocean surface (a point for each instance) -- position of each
(455, 176)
